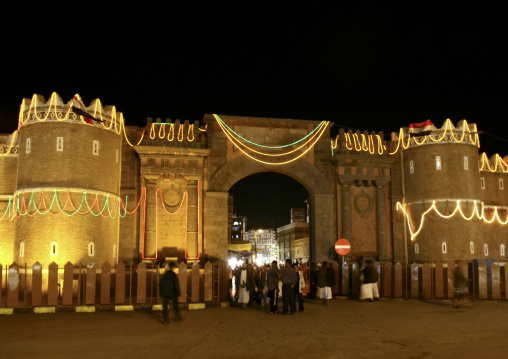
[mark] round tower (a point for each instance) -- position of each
(440, 177)
(68, 182)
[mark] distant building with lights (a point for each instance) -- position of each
(90, 189)
(293, 238)
(264, 243)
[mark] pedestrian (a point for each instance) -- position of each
(170, 291)
(460, 284)
(289, 280)
(326, 280)
(300, 284)
(263, 284)
(245, 280)
(369, 290)
(272, 282)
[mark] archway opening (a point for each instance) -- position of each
(269, 211)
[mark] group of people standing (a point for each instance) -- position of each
(264, 286)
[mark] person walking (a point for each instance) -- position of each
(170, 291)
(300, 284)
(245, 280)
(272, 283)
(369, 290)
(289, 280)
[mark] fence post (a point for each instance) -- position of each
(37, 285)
(439, 280)
(482, 280)
(106, 283)
(141, 279)
(120, 283)
(90, 284)
(208, 295)
(397, 280)
(68, 283)
(426, 281)
(496, 281)
(414, 281)
(182, 280)
(13, 285)
(53, 284)
(195, 283)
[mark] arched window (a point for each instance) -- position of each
(22, 249)
(471, 247)
(443, 247)
(486, 249)
(91, 249)
(501, 249)
(417, 248)
(54, 248)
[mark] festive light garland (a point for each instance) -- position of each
(311, 141)
(362, 142)
(171, 132)
(476, 213)
(499, 166)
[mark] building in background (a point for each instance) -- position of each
(264, 244)
(293, 238)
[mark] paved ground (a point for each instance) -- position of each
(346, 329)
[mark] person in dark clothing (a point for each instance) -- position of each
(170, 290)
(460, 284)
(326, 280)
(289, 280)
(272, 282)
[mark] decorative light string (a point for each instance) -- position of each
(476, 213)
(311, 141)
(499, 164)
(362, 142)
(171, 132)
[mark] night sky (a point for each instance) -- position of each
(365, 65)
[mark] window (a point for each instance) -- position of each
(417, 248)
(486, 249)
(443, 247)
(53, 248)
(59, 143)
(27, 148)
(411, 167)
(22, 249)
(501, 184)
(438, 162)
(482, 182)
(466, 163)
(501, 249)
(471, 247)
(91, 249)
(95, 149)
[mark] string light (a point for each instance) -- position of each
(476, 213)
(499, 164)
(312, 141)
(362, 142)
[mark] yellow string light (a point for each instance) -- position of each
(499, 165)
(476, 213)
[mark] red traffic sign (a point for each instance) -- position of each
(342, 246)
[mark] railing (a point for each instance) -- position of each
(106, 286)
(27, 287)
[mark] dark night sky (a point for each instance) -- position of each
(366, 65)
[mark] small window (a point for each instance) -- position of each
(443, 247)
(59, 143)
(91, 249)
(466, 163)
(471, 247)
(95, 149)
(417, 248)
(438, 162)
(54, 248)
(486, 249)
(22, 249)
(411, 167)
(501, 249)
(27, 145)
(482, 182)
(501, 184)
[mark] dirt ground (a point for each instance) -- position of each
(346, 329)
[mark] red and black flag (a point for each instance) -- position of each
(79, 108)
(421, 128)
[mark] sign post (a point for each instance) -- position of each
(342, 247)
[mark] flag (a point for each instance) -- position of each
(421, 128)
(79, 109)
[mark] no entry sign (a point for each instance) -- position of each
(342, 246)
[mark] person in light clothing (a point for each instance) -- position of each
(369, 290)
